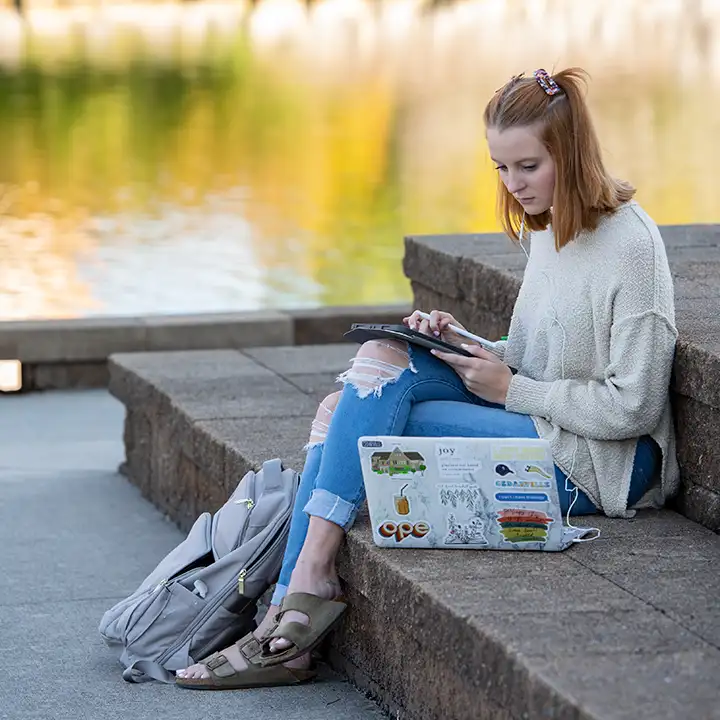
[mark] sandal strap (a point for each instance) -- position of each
(216, 661)
(297, 633)
(321, 614)
(249, 649)
(305, 603)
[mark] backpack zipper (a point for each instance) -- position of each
(220, 599)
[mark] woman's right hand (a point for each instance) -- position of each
(436, 326)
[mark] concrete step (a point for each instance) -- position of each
(623, 627)
(73, 353)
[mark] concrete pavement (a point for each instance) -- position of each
(75, 537)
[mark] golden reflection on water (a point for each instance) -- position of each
(200, 157)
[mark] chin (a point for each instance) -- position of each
(535, 209)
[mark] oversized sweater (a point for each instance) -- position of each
(592, 338)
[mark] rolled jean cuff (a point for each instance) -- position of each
(279, 593)
(331, 507)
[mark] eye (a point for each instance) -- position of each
(500, 167)
(530, 167)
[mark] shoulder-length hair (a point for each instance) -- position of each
(584, 190)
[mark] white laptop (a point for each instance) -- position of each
(463, 493)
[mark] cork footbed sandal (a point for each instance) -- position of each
(323, 615)
(223, 676)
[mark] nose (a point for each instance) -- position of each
(514, 182)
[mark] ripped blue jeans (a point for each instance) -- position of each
(421, 397)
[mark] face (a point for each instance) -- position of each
(525, 166)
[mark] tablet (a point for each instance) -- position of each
(362, 332)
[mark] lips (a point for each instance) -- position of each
(525, 200)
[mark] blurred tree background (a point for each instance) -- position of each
(209, 156)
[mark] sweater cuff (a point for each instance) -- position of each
(527, 396)
(499, 349)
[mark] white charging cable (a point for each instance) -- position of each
(522, 234)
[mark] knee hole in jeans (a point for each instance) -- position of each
(377, 363)
(321, 422)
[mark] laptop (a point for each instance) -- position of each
(463, 494)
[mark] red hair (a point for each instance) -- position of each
(584, 190)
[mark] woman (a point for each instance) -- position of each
(592, 340)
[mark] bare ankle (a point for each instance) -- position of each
(316, 567)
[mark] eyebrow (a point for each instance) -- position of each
(522, 160)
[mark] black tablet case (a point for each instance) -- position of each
(362, 332)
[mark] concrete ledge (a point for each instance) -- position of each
(477, 278)
(627, 626)
(73, 353)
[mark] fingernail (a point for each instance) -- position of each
(433, 352)
(464, 345)
(436, 333)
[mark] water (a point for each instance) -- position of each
(209, 157)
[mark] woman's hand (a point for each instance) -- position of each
(484, 375)
(437, 326)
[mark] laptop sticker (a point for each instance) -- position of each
(402, 502)
(455, 461)
(468, 533)
(397, 462)
(524, 484)
(502, 469)
(524, 526)
(471, 497)
(536, 469)
(516, 497)
(402, 530)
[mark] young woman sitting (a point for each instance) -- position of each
(592, 339)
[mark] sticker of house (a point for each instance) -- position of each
(397, 462)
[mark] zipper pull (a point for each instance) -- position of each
(241, 582)
(250, 504)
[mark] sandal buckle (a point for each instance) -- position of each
(216, 662)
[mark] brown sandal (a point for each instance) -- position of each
(324, 615)
(223, 676)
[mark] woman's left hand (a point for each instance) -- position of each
(484, 374)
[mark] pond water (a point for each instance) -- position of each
(167, 158)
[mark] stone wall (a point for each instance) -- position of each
(73, 353)
(477, 278)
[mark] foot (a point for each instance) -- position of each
(307, 578)
(235, 658)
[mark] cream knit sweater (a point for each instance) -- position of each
(593, 339)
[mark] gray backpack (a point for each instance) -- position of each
(203, 594)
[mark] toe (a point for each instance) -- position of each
(193, 672)
(279, 644)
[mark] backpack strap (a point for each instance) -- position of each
(146, 670)
(272, 474)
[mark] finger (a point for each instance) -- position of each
(426, 328)
(479, 352)
(413, 319)
(451, 358)
(434, 318)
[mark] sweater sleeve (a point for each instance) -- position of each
(627, 402)
(499, 349)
